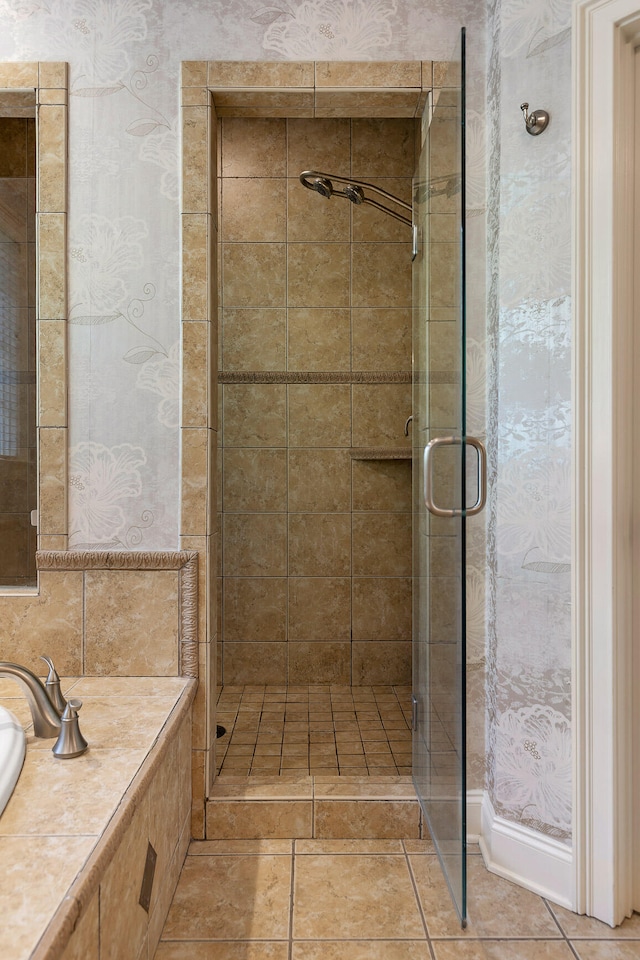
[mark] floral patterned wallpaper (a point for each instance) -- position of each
(124, 58)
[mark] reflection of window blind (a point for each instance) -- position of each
(9, 340)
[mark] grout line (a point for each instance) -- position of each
(558, 925)
(417, 896)
(291, 899)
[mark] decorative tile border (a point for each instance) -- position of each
(287, 376)
(184, 561)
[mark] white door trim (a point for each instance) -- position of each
(603, 454)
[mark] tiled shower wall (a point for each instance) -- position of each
(18, 478)
(315, 360)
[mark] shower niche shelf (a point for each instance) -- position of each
(380, 453)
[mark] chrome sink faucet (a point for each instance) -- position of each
(52, 715)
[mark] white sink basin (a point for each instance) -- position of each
(12, 751)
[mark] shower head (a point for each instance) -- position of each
(352, 190)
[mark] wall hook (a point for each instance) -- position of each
(535, 122)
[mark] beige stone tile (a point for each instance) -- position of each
(121, 606)
(353, 896)
(224, 950)
(253, 148)
(123, 922)
(52, 270)
(319, 662)
(195, 260)
(312, 218)
(195, 471)
(255, 608)
(319, 545)
(126, 687)
(255, 662)
(382, 148)
(375, 819)
(195, 166)
(34, 872)
(52, 155)
(254, 339)
(17, 75)
(234, 73)
(85, 940)
(318, 144)
(381, 661)
(348, 846)
(382, 608)
(255, 545)
(361, 950)
(196, 97)
(195, 380)
(319, 480)
(254, 274)
(380, 411)
(53, 74)
(106, 721)
(381, 339)
(497, 908)
(382, 544)
(202, 848)
(254, 480)
(319, 608)
(578, 927)
(371, 224)
(318, 274)
(268, 819)
(294, 787)
(502, 950)
(53, 374)
(318, 339)
(254, 415)
(254, 209)
(352, 73)
(381, 275)
(193, 73)
(280, 103)
(381, 485)
(379, 103)
(50, 623)
(607, 949)
(319, 415)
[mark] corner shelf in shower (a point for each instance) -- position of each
(380, 453)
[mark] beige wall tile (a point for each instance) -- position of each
(382, 148)
(323, 662)
(123, 922)
(195, 159)
(319, 481)
(257, 662)
(381, 73)
(381, 485)
(234, 73)
(270, 819)
(52, 364)
(193, 73)
(318, 274)
(53, 74)
(85, 940)
(379, 819)
(319, 415)
(444, 273)
(381, 275)
(318, 339)
(196, 97)
(382, 544)
(195, 455)
(123, 606)
(49, 623)
(195, 379)
(254, 415)
(253, 148)
(380, 411)
(319, 608)
(282, 103)
(195, 260)
(255, 480)
(52, 507)
(254, 274)
(255, 608)
(319, 144)
(255, 545)
(52, 158)
(16, 75)
(381, 661)
(382, 608)
(370, 224)
(254, 339)
(254, 209)
(319, 545)
(51, 266)
(312, 218)
(351, 103)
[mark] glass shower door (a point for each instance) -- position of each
(442, 458)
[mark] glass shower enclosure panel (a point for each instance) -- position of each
(439, 495)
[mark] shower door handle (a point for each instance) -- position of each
(481, 498)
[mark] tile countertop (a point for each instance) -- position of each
(60, 808)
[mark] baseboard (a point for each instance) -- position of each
(518, 853)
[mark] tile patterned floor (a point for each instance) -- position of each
(317, 730)
(365, 900)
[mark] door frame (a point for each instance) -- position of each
(603, 75)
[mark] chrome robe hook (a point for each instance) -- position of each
(536, 121)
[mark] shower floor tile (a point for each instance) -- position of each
(314, 730)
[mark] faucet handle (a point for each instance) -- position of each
(70, 743)
(52, 685)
